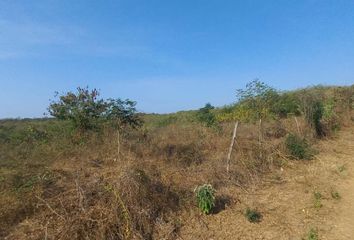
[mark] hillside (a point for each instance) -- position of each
(290, 170)
(286, 198)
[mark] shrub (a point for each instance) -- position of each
(298, 147)
(313, 111)
(318, 111)
(86, 111)
(256, 100)
(206, 117)
(253, 215)
(33, 134)
(330, 121)
(285, 105)
(205, 198)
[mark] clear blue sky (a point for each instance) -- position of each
(169, 55)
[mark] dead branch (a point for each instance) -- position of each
(50, 208)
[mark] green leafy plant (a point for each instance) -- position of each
(318, 111)
(318, 198)
(86, 111)
(33, 134)
(298, 147)
(312, 234)
(256, 100)
(206, 116)
(335, 195)
(330, 119)
(341, 168)
(313, 111)
(286, 104)
(205, 197)
(253, 215)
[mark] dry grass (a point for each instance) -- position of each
(83, 188)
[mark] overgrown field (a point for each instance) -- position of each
(82, 179)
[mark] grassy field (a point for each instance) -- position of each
(138, 183)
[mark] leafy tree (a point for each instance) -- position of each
(206, 116)
(257, 99)
(123, 111)
(86, 111)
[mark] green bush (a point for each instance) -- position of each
(206, 116)
(205, 197)
(285, 105)
(318, 111)
(86, 111)
(330, 121)
(253, 215)
(298, 147)
(256, 101)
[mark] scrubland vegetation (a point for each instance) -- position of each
(100, 170)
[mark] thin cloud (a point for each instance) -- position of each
(20, 39)
(31, 33)
(28, 39)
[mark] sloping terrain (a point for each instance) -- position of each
(308, 199)
(342, 216)
(288, 202)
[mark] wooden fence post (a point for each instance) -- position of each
(231, 146)
(297, 126)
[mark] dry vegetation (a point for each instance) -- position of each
(137, 183)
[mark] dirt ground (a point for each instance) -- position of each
(342, 217)
(287, 200)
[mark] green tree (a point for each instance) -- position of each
(258, 99)
(206, 116)
(87, 111)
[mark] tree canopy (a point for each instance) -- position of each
(86, 110)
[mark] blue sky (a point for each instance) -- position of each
(169, 55)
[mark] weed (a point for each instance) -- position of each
(317, 195)
(253, 215)
(335, 195)
(298, 147)
(318, 198)
(341, 168)
(312, 234)
(205, 197)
